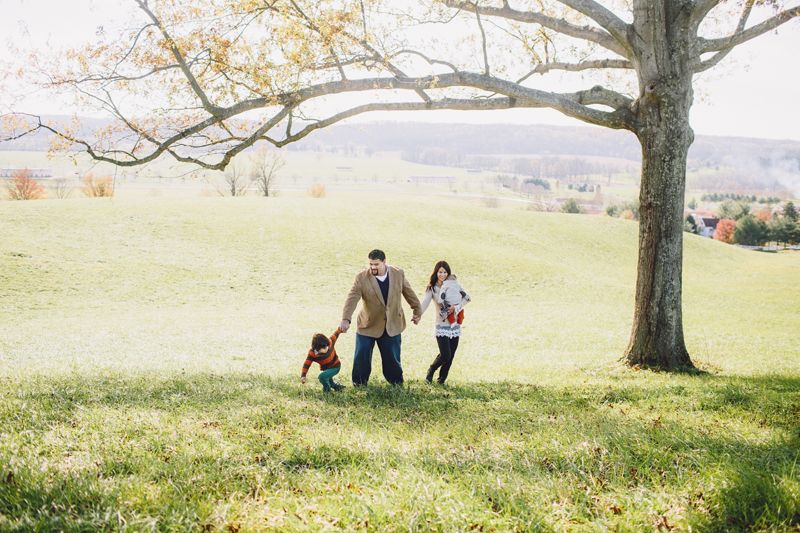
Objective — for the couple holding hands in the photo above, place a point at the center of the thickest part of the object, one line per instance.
(381, 321)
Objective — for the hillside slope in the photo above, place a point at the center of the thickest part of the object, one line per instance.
(240, 284)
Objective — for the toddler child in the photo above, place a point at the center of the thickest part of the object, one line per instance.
(323, 353)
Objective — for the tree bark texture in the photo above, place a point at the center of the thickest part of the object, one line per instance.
(662, 40)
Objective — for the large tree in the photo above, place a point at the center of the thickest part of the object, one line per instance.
(203, 80)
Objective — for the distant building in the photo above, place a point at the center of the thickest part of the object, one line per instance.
(706, 226)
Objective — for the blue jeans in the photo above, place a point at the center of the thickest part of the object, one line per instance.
(390, 358)
(326, 378)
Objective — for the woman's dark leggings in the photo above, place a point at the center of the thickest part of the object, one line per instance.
(447, 351)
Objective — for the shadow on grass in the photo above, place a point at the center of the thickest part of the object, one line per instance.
(611, 439)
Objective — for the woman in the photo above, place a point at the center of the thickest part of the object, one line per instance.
(450, 298)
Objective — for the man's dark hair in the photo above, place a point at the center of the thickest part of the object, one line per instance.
(319, 341)
(377, 254)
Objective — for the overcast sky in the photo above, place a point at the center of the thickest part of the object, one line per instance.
(752, 93)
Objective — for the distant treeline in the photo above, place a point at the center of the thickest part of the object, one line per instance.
(720, 197)
(757, 180)
(557, 152)
(540, 167)
(460, 140)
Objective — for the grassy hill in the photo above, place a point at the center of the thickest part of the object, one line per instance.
(150, 349)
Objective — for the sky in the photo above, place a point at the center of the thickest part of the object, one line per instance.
(752, 93)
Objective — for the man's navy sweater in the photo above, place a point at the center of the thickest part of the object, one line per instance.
(384, 285)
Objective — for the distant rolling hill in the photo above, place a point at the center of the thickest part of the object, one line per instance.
(758, 162)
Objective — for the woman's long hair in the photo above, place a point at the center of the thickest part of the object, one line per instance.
(434, 277)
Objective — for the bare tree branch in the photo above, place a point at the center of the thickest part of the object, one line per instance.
(719, 56)
(446, 103)
(602, 16)
(28, 130)
(716, 45)
(187, 71)
(533, 98)
(233, 152)
(571, 104)
(543, 68)
(483, 40)
(377, 56)
(131, 47)
(587, 33)
(428, 59)
(602, 96)
(701, 9)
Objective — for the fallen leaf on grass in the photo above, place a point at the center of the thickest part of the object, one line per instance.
(663, 523)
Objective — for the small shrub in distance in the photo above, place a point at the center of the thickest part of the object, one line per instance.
(725, 230)
(266, 165)
(544, 206)
(571, 206)
(764, 214)
(22, 187)
(102, 187)
(490, 201)
(538, 182)
(317, 190)
(751, 231)
(733, 209)
(790, 211)
(61, 189)
(784, 230)
(627, 211)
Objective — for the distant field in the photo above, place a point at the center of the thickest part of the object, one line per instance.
(379, 171)
(150, 349)
(300, 166)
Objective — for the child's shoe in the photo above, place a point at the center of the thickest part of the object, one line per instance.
(453, 318)
(337, 387)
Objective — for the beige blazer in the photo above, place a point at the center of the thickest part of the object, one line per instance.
(377, 316)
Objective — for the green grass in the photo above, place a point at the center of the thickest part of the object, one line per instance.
(251, 451)
(150, 349)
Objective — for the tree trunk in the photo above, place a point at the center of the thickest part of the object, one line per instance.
(665, 135)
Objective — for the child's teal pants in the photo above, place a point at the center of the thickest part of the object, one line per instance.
(326, 378)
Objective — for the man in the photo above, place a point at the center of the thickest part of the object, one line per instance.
(381, 319)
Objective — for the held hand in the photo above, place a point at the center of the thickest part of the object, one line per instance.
(415, 320)
(344, 326)
(451, 310)
(303, 380)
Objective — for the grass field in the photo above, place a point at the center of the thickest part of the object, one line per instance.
(149, 353)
